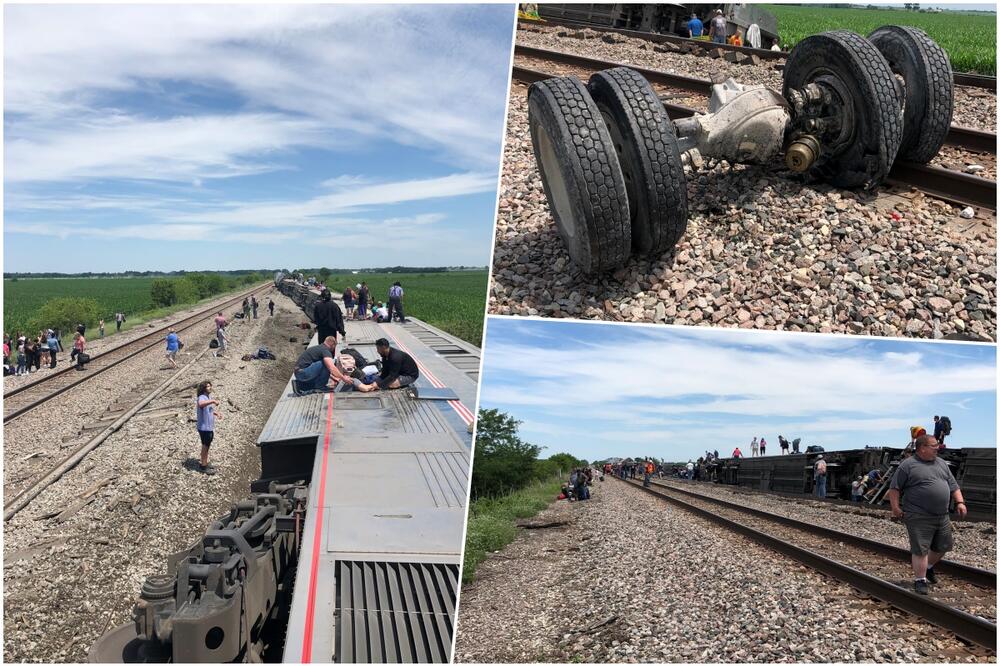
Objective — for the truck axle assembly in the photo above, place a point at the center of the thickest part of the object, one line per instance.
(612, 161)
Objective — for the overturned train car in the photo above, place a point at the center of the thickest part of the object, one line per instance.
(974, 469)
(660, 18)
(348, 547)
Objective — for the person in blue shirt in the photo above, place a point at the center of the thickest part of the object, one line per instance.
(695, 27)
(173, 346)
(206, 423)
(53, 345)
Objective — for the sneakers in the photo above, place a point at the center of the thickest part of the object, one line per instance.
(210, 470)
(295, 387)
(920, 586)
(931, 576)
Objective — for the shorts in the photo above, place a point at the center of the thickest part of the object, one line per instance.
(206, 437)
(928, 533)
(172, 353)
(404, 380)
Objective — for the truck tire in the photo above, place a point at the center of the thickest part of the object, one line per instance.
(864, 156)
(581, 175)
(646, 145)
(926, 70)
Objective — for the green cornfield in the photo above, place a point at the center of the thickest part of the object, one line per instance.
(23, 297)
(969, 38)
(454, 302)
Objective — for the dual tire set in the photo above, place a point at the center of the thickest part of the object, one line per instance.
(611, 167)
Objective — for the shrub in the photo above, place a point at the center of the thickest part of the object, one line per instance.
(65, 313)
(163, 293)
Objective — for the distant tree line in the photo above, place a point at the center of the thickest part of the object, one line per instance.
(194, 287)
(504, 462)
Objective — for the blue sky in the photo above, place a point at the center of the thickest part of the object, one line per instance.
(606, 390)
(165, 137)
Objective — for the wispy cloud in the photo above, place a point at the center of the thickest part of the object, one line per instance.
(595, 385)
(262, 122)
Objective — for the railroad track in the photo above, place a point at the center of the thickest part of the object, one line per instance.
(23, 399)
(964, 602)
(960, 78)
(946, 184)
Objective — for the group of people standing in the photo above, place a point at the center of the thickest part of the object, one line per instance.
(23, 354)
(357, 299)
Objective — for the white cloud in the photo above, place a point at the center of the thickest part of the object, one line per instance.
(676, 391)
(178, 149)
(351, 71)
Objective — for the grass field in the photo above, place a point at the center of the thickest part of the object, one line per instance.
(970, 39)
(454, 302)
(491, 521)
(22, 298)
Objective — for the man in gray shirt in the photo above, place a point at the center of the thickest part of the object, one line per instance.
(927, 487)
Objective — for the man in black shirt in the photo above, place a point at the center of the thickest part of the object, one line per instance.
(398, 369)
(315, 367)
(329, 318)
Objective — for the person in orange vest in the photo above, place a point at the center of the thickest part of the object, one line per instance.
(647, 473)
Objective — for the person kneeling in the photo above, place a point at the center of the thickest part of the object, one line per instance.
(398, 369)
(316, 366)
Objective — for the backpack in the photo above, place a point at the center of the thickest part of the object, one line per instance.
(265, 354)
(214, 344)
(945, 425)
(346, 363)
(821, 467)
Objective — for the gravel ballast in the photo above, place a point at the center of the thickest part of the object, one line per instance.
(975, 542)
(67, 581)
(631, 579)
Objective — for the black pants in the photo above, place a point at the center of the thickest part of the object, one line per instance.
(52, 358)
(118, 326)
(396, 303)
(272, 310)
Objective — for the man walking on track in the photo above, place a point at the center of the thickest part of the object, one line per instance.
(270, 306)
(927, 487)
(396, 302)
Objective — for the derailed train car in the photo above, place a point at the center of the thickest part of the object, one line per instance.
(974, 469)
(348, 548)
(660, 18)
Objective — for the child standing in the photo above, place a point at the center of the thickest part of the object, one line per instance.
(206, 423)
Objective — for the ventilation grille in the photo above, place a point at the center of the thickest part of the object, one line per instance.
(394, 612)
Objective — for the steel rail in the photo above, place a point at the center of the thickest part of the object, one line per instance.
(963, 137)
(154, 338)
(975, 575)
(960, 78)
(965, 625)
(945, 184)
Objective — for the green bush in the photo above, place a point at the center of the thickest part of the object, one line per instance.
(65, 313)
(186, 291)
(163, 293)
